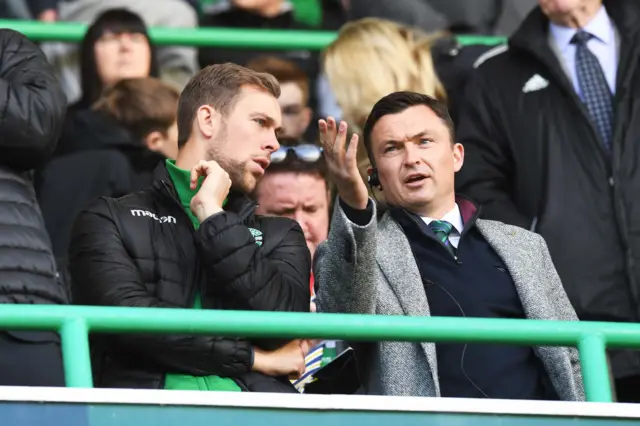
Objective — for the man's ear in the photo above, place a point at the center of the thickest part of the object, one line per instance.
(458, 156)
(207, 121)
(154, 141)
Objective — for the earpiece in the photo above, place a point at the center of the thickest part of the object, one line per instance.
(374, 181)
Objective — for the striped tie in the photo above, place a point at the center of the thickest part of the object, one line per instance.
(442, 229)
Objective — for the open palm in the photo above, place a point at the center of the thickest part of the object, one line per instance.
(342, 163)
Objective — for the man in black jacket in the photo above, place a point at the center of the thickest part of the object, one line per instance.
(551, 126)
(32, 109)
(142, 249)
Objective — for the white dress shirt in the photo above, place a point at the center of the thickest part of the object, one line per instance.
(454, 218)
(603, 45)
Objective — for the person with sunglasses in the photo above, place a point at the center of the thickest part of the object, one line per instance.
(295, 185)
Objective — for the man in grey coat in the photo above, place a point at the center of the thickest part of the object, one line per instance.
(430, 255)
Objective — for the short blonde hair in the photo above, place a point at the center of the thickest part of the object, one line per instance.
(372, 58)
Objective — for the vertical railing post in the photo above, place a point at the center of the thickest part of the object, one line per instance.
(75, 352)
(595, 374)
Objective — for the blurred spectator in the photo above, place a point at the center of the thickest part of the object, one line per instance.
(258, 14)
(513, 13)
(551, 125)
(333, 12)
(116, 46)
(483, 17)
(374, 57)
(294, 93)
(430, 255)
(33, 107)
(412, 13)
(486, 17)
(15, 9)
(192, 240)
(130, 129)
(176, 63)
(295, 186)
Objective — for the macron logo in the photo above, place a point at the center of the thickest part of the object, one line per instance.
(161, 219)
(534, 84)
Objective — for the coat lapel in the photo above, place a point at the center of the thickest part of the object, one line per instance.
(521, 262)
(519, 254)
(398, 266)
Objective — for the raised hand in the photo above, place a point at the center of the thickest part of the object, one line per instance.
(342, 163)
(214, 190)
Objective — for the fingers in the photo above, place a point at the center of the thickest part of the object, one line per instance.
(328, 131)
(352, 149)
(301, 365)
(341, 139)
(298, 366)
(197, 171)
(305, 346)
(205, 168)
(332, 127)
(322, 127)
(325, 137)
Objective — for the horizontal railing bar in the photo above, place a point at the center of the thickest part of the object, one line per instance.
(221, 37)
(331, 326)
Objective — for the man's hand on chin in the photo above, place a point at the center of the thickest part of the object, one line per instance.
(214, 190)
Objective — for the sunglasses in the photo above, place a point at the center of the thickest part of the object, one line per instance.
(307, 152)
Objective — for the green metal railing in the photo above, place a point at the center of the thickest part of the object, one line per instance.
(223, 37)
(75, 322)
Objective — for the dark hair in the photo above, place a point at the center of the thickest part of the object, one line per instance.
(117, 21)
(292, 164)
(219, 86)
(397, 102)
(140, 105)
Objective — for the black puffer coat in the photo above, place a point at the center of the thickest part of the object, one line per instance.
(32, 108)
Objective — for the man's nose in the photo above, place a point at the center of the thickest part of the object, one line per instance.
(301, 218)
(411, 155)
(272, 144)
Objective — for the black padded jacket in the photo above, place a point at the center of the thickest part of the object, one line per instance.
(141, 250)
(32, 108)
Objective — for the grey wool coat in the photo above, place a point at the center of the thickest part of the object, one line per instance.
(371, 270)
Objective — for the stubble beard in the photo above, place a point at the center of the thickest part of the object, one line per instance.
(235, 169)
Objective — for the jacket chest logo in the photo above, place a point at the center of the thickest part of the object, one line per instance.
(257, 235)
(161, 219)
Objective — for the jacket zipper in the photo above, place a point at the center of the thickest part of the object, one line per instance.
(611, 166)
(197, 287)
